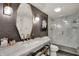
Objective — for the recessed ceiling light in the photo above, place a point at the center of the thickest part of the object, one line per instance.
(57, 9)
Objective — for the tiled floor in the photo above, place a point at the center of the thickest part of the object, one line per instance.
(62, 53)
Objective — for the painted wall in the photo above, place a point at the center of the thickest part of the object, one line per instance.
(8, 24)
(64, 30)
(37, 27)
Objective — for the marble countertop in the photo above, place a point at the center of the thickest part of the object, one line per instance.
(24, 48)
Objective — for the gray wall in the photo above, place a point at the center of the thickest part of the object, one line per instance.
(37, 27)
(65, 34)
(8, 24)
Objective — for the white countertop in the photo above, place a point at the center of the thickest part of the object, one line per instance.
(24, 48)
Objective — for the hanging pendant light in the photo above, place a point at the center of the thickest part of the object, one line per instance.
(8, 10)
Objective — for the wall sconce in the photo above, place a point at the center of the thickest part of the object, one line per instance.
(7, 10)
(36, 19)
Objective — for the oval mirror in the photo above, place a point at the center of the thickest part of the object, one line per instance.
(24, 20)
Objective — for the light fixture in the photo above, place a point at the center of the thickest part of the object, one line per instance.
(57, 9)
(36, 19)
(8, 10)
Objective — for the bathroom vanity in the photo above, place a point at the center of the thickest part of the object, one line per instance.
(24, 48)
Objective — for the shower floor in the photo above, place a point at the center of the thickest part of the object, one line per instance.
(62, 53)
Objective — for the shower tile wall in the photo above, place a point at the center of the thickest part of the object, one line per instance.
(64, 31)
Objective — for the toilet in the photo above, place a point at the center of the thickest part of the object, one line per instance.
(53, 50)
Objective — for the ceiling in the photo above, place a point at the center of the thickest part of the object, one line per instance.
(66, 9)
